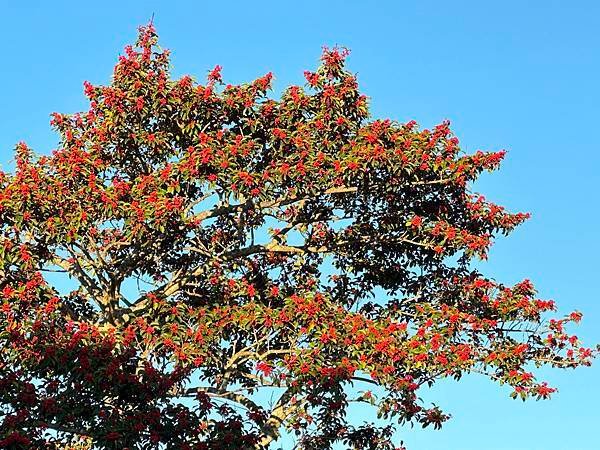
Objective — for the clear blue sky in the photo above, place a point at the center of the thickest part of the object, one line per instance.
(519, 75)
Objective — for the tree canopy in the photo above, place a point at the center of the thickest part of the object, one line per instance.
(201, 266)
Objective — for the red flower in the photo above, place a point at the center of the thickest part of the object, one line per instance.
(441, 359)
(24, 253)
(215, 75)
(279, 133)
(89, 89)
(520, 349)
(545, 391)
(576, 316)
(265, 368)
(416, 221)
(312, 78)
(352, 165)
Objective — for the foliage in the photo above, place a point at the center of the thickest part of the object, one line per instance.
(220, 244)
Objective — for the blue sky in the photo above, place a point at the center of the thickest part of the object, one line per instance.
(515, 75)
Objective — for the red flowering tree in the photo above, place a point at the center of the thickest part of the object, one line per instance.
(189, 247)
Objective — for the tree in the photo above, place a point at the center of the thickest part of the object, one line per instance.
(189, 247)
